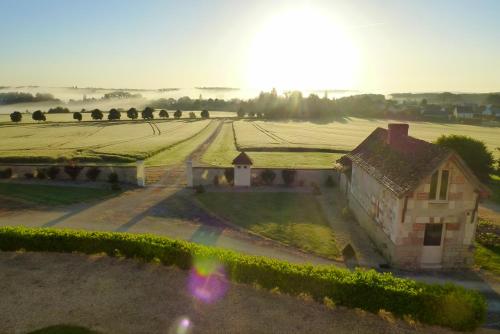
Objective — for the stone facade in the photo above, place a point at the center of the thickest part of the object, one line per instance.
(397, 225)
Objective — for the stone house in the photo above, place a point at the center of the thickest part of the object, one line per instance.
(417, 201)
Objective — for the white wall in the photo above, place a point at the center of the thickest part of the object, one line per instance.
(242, 175)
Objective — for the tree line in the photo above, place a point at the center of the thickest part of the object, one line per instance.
(18, 97)
(113, 114)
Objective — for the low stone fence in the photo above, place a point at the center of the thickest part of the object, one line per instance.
(126, 173)
(204, 175)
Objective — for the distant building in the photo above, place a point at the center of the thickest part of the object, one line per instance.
(491, 112)
(242, 170)
(434, 111)
(465, 112)
(418, 201)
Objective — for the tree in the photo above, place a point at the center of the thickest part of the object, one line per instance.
(268, 176)
(147, 113)
(178, 114)
(192, 114)
(58, 110)
(38, 116)
(16, 117)
(472, 151)
(96, 114)
(229, 175)
(77, 116)
(73, 171)
(132, 113)
(251, 114)
(114, 115)
(240, 113)
(164, 114)
(288, 176)
(205, 114)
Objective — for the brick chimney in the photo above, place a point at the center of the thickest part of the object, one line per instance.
(397, 133)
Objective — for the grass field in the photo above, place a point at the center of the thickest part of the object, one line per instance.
(488, 259)
(5, 118)
(177, 153)
(345, 135)
(52, 195)
(223, 151)
(111, 141)
(294, 219)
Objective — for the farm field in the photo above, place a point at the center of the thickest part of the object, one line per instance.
(93, 142)
(223, 151)
(5, 118)
(344, 135)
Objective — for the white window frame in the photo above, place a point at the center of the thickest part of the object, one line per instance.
(438, 187)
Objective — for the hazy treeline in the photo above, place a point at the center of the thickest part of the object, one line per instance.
(451, 98)
(186, 103)
(19, 97)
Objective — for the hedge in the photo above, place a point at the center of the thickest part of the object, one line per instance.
(445, 305)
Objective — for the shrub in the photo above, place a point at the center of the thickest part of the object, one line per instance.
(288, 176)
(96, 114)
(268, 176)
(41, 173)
(199, 189)
(114, 115)
(52, 172)
(164, 114)
(329, 182)
(192, 114)
(316, 189)
(73, 171)
(473, 152)
(148, 113)
(6, 173)
(77, 116)
(29, 176)
(93, 173)
(216, 180)
(229, 175)
(132, 113)
(113, 178)
(240, 113)
(38, 116)
(205, 114)
(58, 110)
(16, 117)
(445, 305)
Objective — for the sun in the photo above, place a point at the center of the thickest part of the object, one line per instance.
(302, 49)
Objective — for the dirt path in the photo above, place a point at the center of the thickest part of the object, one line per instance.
(126, 296)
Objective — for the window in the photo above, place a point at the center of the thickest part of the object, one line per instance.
(439, 180)
(433, 234)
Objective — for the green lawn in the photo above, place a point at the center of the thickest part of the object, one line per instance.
(52, 195)
(494, 185)
(488, 259)
(294, 219)
(223, 151)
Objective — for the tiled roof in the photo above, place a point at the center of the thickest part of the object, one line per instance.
(242, 159)
(401, 166)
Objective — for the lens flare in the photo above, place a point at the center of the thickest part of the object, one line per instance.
(181, 326)
(207, 280)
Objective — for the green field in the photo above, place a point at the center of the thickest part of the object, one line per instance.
(294, 219)
(101, 141)
(52, 195)
(5, 118)
(345, 135)
(223, 151)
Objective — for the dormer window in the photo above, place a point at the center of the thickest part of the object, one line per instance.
(439, 185)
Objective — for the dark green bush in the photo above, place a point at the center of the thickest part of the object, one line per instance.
(73, 171)
(199, 189)
(268, 176)
(93, 173)
(6, 173)
(29, 176)
(229, 175)
(445, 305)
(288, 176)
(113, 178)
(52, 172)
(41, 173)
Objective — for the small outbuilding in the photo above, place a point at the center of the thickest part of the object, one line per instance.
(242, 170)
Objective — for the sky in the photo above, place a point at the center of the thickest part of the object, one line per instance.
(377, 46)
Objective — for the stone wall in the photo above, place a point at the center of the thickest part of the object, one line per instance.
(304, 177)
(126, 173)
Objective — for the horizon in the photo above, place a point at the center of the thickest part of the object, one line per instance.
(390, 47)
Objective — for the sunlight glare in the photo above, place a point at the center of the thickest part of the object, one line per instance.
(302, 49)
